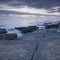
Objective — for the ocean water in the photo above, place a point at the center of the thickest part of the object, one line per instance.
(18, 22)
(12, 22)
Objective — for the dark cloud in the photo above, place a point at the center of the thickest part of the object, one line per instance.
(52, 10)
(14, 12)
(59, 10)
(42, 3)
(38, 4)
(5, 1)
(6, 12)
(33, 3)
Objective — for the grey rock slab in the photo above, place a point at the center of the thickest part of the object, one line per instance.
(16, 50)
(48, 50)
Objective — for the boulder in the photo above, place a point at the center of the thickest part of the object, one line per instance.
(3, 31)
(27, 29)
(12, 36)
(59, 23)
(51, 26)
(46, 23)
(2, 36)
(20, 28)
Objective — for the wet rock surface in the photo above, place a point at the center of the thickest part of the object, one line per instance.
(37, 45)
(3, 31)
(48, 26)
(8, 36)
(27, 29)
(48, 50)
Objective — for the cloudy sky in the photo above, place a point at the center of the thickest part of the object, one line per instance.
(30, 8)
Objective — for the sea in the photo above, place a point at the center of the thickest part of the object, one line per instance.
(10, 23)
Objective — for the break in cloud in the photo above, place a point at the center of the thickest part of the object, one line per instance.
(30, 7)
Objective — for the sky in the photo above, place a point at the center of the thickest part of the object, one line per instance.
(26, 12)
(29, 8)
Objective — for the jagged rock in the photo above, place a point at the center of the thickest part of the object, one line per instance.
(3, 31)
(27, 29)
(8, 36)
(47, 23)
(59, 23)
(51, 26)
(20, 28)
(11, 36)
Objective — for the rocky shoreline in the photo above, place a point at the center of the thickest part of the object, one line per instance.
(41, 44)
(19, 31)
(4, 35)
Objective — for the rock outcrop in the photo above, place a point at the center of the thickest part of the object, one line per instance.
(27, 29)
(3, 31)
(48, 26)
(8, 36)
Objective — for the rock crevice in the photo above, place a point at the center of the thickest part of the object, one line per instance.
(36, 48)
